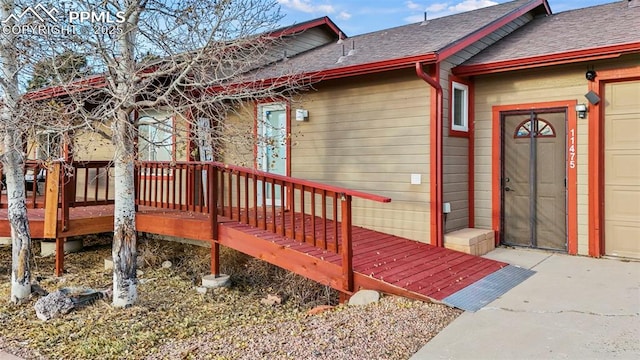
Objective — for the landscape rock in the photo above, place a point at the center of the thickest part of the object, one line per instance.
(53, 305)
(166, 264)
(61, 302)
(201, 290)
(364, 297)
(271, 300)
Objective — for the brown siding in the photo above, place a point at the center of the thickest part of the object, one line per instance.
(370, 134)
(455, 162)
(530, 86)
(236, 145)
(91, 146)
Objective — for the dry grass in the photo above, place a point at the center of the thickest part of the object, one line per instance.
(169, 309)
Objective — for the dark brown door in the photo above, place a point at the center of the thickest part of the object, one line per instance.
(534, 186)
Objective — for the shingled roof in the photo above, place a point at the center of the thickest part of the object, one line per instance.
(599, 27)
(404, 42)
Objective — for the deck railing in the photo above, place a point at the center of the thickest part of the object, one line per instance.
(34, 178)
(84, 183)
(306, 211)
(317, 214)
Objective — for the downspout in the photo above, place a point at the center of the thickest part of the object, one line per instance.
(435, 84)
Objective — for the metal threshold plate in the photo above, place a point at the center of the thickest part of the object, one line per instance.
(475, 296)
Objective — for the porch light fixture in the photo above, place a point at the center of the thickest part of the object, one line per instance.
(302, 115)
(581, 109)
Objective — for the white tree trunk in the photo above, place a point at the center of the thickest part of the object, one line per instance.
(124, 228)
(13, 161)
(19, 222)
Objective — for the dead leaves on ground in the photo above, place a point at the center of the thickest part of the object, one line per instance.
(169, 307)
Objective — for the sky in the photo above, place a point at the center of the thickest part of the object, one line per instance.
(356, 17)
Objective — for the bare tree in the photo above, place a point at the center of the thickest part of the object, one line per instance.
(13, 161)
(189, 58)
(23, 52)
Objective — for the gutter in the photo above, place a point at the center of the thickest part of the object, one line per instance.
(437, 224)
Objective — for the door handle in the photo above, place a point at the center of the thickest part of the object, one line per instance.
(506, 188)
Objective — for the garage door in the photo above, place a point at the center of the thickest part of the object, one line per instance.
(622, 169)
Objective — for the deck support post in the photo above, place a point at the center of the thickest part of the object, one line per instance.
(215, 258)
(346, 246)
(60, 256)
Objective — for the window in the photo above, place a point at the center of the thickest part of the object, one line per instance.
(459, 107)
(49, 146)
(155, 137)
(542, 129)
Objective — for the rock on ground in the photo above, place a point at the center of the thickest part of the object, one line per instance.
(364, 297)
(53, 305)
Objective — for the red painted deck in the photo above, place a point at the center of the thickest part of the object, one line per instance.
(227, 210)
(380, 261)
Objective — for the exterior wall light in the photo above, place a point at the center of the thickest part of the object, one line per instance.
(581, 109)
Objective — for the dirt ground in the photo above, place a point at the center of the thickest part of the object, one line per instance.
(172, 320)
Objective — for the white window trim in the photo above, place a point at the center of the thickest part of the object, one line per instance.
(45, 149)
(155, 119)
(465, 108)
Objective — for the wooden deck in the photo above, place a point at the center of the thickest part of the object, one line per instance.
(381, 261)
(222, 206)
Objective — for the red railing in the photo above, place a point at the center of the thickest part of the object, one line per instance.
(35, 178)
(306, 211)
(83, 183)
(89, 183)
(175, 186)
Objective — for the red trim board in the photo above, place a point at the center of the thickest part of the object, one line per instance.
(596, 154)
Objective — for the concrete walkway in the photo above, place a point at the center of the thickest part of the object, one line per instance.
(7, 356)
(572, 308)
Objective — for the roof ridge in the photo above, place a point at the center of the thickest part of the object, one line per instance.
(446, 17)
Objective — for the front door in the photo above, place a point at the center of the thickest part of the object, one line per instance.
(534, 180)
(272, 146)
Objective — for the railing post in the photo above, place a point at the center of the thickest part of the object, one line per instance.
(212, 183)
(52, 187)
(67, 187)
(347, 248)
(136, 185)
(213, 199)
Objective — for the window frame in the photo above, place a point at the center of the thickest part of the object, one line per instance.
(460, 130)
(157, 118)
(49, 145)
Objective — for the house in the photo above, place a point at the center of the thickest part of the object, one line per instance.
(508, 119)
(578, 71)
(438, 116)
(415, 113)
(374, 123)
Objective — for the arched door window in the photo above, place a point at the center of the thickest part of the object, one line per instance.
(542, 128)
